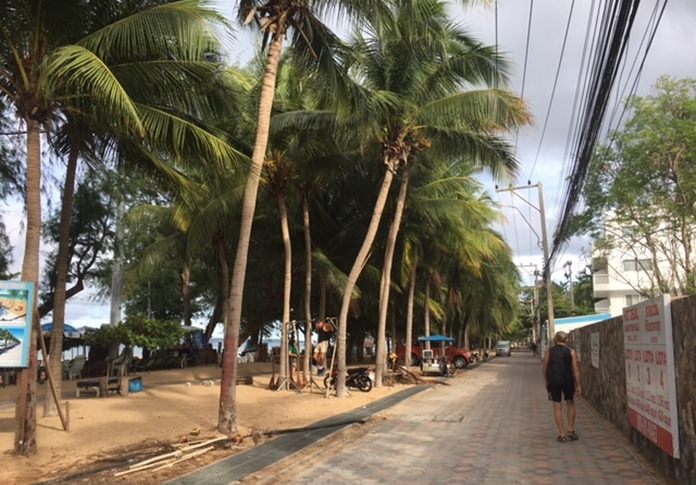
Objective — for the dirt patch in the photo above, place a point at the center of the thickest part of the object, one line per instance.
(175, 406)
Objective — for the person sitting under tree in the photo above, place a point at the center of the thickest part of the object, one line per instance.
(324, 332)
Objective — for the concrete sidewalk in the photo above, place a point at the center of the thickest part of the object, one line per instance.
(493, 425)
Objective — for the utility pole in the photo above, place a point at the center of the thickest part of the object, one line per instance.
(544, 244)
(547, 264)
(534, 302)
(569, 275)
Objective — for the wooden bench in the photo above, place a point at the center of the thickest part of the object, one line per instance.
(88, 385)
(101, 386)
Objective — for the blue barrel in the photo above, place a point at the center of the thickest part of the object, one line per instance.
(135, 384)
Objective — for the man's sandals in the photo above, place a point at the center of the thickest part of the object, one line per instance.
(570, 436)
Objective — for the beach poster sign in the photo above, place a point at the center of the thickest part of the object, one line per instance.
(16, 305)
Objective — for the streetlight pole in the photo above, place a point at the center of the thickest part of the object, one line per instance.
(544, 244)
(569, 275)
(547, 265)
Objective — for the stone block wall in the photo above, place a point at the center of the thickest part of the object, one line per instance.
(605, 388)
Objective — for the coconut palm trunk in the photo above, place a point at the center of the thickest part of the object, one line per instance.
(323, 288)
(186, 294)
(355, 271)
(227, 416)
(409, 312)
(308, 288)
(381, 356)
(287, 288)
(117, 268)
(25, 411)
(62, 265)
(426, 311)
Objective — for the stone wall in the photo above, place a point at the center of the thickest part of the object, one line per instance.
(605, 388)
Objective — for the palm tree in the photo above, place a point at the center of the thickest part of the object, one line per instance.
(57, 58)
(313, 45)
(414, 66)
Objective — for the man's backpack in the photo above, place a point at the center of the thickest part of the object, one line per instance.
(559, 369)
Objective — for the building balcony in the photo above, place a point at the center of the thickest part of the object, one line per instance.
(601, 284)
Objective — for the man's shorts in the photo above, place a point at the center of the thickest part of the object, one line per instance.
(322, 347)
(568, 391)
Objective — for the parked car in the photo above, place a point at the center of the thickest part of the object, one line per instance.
(458, 357)
(503, 347)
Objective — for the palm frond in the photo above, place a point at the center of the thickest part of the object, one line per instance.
(186, 29)
(76, 72)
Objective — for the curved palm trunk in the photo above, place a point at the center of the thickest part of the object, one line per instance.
(224, 282)
(381, 356)
(287, 288)
(308, 288)
(227, 416)
(186, 293)
(323, 284)
(59, 297)
(409, 312)
(355, 271)
(25, 411)
(117, 273)
(426, 313)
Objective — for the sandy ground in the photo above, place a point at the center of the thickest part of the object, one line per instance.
(174, 405)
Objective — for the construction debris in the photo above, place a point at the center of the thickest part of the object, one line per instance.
(170, 459)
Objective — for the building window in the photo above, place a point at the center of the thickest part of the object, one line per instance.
(630, 300)
(637, 265)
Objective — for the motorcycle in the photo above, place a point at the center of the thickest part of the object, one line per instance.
(476, 356)
(358, 378)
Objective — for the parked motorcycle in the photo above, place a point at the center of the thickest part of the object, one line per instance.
(358, 378)
(476, 356)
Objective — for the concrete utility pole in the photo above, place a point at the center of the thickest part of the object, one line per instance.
(544, 244)
(547, 264)
(569, 275)
(535, 300)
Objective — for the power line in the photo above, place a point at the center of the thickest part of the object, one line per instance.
(526, 57)
(636, 80)
(496, 43)
(608, 57)
(553, 91)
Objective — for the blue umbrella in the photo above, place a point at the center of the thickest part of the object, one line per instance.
(436, 339)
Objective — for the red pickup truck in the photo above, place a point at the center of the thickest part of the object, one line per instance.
(459, 357)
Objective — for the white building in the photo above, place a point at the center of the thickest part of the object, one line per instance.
(627, 270)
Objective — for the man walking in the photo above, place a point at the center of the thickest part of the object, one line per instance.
(562, 376)
(324, 332)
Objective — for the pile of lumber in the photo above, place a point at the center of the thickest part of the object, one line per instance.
(185, 452)
(401, 375)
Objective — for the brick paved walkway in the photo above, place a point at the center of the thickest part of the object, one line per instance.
(493, 425)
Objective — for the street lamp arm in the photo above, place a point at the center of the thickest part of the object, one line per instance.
(525, 220)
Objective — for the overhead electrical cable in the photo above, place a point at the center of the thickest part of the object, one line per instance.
(577, 97)
(526, 57)
(553, 90)
(636, 80)
(608, 58)
(496, 44)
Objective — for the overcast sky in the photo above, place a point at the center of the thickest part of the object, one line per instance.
(671, 53)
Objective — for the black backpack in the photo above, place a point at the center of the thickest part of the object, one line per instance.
(559, 370)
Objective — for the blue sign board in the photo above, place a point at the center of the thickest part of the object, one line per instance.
(16, 307)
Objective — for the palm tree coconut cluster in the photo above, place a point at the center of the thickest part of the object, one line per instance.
(363, 150)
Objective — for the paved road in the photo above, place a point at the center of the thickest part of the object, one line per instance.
(493, 425)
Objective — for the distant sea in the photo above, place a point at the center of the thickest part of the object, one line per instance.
(217, 343)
